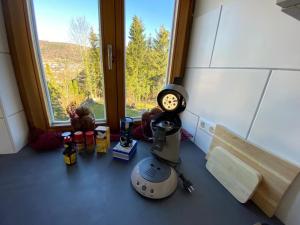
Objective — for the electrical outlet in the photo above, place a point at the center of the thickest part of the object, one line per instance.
(207, 126)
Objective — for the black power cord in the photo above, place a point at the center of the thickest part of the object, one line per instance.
(186, 184)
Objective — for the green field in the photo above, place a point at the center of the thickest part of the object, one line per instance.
(98, 110)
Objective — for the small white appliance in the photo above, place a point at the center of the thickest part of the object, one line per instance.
(155, 177)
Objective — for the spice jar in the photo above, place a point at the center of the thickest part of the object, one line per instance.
(69, 152)
(102, 139)
(79, 141)
(90, 141)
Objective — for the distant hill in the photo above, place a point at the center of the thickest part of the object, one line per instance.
(58, 51)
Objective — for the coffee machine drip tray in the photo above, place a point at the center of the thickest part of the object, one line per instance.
(153, 170)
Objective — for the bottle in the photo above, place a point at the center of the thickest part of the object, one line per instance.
(79, 141)
(69, 152)
(102, 139)
(90, 141)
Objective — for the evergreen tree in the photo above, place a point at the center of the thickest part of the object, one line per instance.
(161, 50)
(137, 88)
(93, 70)
(55, 93)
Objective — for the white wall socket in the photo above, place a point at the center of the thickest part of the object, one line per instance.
(207, 126)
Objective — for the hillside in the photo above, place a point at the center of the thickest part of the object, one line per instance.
(54, 52)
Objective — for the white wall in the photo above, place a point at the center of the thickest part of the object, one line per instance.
(13, 125)
(243, 71)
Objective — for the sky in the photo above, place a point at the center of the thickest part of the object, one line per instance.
(53, 17)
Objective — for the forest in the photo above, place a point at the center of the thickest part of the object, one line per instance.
(74, 72)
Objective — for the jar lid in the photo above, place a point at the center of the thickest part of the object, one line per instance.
(66, 134)
(78, 135)
(89, 133)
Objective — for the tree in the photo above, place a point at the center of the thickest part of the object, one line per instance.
(94, 66)
(55, 94)
(146, 65)
(161, 50)
(137, 88)
(79, 31)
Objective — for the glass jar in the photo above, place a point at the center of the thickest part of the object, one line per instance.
(79, 141)
(90, 141)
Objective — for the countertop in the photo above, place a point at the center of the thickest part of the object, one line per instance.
(38, 188)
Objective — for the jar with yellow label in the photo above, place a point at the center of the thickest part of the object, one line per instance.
(102, 139)
(69, 152)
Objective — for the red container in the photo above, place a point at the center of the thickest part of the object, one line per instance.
(79, 141)
(90, 141)
(78, 136)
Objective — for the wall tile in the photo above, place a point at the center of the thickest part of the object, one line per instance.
(202, 39)
(6, 145)
(204, 6)
(19, 129)
(228, 97)
(189, 122)
(288, 210)
(203, 140)
(277, 126)
(257, 34)
(1, 113)
(8, 86)
(3, 38)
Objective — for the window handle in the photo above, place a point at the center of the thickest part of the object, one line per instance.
(109, 57)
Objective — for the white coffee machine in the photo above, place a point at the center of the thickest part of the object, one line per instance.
(156, 176)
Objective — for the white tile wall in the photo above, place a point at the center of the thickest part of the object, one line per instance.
(189, 122)
(202, 7)
(253, 36)
(3, 39)
(1, 113)
(277, 126)
(8, 86)
(228, 97)
(203, 140)
(5, 146)
(19, 130)
(202, 39)
(288, 210)
(256, 34)
(13, 125)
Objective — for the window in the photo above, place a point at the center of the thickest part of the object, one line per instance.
(68, 40)
(148, 27)
(90, 52)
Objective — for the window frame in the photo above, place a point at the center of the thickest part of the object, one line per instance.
(112, 24)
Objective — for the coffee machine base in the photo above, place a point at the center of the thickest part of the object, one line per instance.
(154, 179)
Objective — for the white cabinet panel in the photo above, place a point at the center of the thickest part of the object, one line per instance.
(3, 39)
(228, 97)
(8, 86)
(257, 34)
(5, 141)
(202, 39)
(189, 122)
(277, 126)
(19, 130)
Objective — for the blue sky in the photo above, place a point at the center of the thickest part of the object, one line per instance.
(53, 17)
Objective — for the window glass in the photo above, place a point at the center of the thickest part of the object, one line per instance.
(148, 32)
(69, 47)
